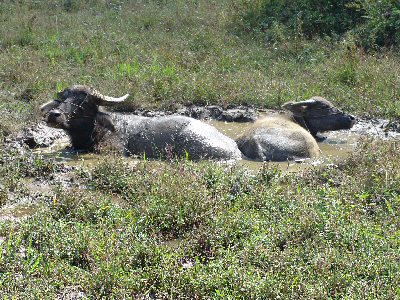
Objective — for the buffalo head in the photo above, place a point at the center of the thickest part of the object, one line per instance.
(76, 110)
(318, 115)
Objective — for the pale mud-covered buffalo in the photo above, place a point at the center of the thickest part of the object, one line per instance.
(77, 110)
(293, 136)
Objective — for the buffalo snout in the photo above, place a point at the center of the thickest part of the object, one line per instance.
(53, 115)
(55, 118)
(337, 121)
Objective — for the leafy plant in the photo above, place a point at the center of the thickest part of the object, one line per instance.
(375, 23)
(381, 23)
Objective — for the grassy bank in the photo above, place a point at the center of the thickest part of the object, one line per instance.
(179, 52)
(188, 231)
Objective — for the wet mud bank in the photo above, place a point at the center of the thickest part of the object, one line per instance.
(30, 180)
(239, 114)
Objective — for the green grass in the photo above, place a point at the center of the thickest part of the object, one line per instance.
(167, 54)
(184, 230)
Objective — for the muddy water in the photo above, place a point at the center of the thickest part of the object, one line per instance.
(16, 212)
(338, 145)
(60, 153)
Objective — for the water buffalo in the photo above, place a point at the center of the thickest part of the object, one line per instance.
(293, 135)
(319, 115)
(77, 111)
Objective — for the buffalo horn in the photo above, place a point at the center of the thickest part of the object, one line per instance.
(106, 100)
(100, 98)
(295, 105)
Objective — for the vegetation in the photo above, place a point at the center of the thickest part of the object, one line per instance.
(184, 230)
(187, 230)
(371, 23)
(171, 53)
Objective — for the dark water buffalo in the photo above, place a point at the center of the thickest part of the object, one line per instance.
(319, 115)
(292, 136)
(77, 111)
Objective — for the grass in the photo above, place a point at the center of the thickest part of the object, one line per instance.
(167, 54)
(184, 230)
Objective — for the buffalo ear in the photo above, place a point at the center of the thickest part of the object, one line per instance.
(300, 108)
(105, 121)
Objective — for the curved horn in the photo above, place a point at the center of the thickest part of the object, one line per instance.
(45, 108)
(107, 100)
(99, 97)
(295, 105)
(300, 108)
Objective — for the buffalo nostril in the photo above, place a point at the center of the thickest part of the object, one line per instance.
(55, 114)
(353, 120)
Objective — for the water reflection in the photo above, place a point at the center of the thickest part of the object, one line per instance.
(60, 152)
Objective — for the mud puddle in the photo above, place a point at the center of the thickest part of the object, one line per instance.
(25, 201)
(17, 212)
(59, 152)
(337, 146)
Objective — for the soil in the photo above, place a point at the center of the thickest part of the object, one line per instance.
(232, 114)
(37, 136)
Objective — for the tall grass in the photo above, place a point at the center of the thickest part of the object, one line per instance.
(167, 54)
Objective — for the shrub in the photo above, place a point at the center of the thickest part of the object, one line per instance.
(374, 23)
(381, 23)
(308, 17)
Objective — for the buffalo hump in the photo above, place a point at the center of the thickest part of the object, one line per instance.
(161, 137)
(277, 138)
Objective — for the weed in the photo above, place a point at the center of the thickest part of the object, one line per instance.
(197, 230)
(187, 55)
